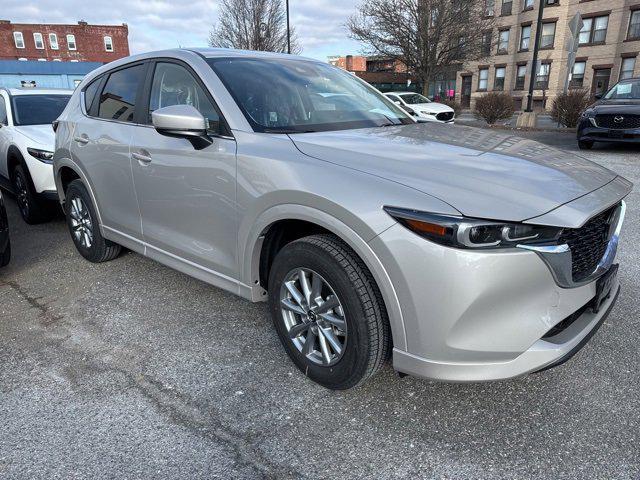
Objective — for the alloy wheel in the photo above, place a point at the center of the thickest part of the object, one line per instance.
(22, 195)
(313, 317)
(81, 225)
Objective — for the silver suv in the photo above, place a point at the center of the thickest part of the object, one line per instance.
(467, 254)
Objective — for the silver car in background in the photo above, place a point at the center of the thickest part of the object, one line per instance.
(469, 255)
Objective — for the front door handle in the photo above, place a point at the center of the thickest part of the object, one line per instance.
(82, 139)
(141, 158)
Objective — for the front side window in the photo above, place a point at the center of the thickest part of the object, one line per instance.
(414, 99)
(542, 77)
(37, 39)
(18, 39)
(577, 74)
(627, 68)
(483, 78)
(625, 90)
(174, 85)
(548, 35)
(118, 98)
(71, 42)
(108, 44)
(503, 41)
(53, 41)
(498, 83)
(634, 25)
(525, 37)
(37, 109)
(521, 73)
(290, 96)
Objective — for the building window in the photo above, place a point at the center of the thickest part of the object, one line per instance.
(486, 43)
(483, 79)
(634, 25)
(71, 42)
(577, 75)
(627, 67)
(503, 41)
(521, 73)
(594, 30)
(18, 39)
(525, 37)
(489, 7)
(528, 4)
(506, 7)
(542, 76)
(548, 35)
(550, 3)
(498, 82)
(53, 41)
(37, 39)
(108, 44)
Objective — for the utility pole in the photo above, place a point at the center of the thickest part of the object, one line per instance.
(534, 67)
(289, 29)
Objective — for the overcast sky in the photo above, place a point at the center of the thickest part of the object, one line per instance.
(157, 24)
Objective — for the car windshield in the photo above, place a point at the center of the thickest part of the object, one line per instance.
(38, 109)
(294, 96)
(624, 91)
(414, 99)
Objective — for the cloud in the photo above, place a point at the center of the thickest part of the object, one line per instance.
(159, 24)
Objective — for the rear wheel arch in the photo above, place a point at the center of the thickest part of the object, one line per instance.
(65, 172)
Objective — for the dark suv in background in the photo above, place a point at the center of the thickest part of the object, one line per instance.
(613, 118)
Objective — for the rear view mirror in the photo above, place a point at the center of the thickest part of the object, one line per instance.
(182, 121)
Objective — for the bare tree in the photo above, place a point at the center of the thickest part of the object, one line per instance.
(253, 25)
(428, 36)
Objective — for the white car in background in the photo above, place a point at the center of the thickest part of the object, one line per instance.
(422, 108)
(26, 148)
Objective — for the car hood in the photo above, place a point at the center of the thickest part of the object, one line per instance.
(40, 134)
(481, 173)
(616, 107)
(431, 107)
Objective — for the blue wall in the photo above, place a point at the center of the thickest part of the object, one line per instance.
(45, 74)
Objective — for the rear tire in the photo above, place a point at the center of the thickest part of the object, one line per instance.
(33, 210)
(84, 227)
(358, 324)
(585, 144)
(5, 256)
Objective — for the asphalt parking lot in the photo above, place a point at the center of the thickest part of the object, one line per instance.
(131, 370)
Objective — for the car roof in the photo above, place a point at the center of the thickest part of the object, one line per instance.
(37, 91)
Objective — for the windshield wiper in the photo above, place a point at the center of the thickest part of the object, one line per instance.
(285, 130)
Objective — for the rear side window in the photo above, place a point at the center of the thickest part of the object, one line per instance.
(90, 94)
(118, 98)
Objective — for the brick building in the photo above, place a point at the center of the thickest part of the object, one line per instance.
(54, 42)
(386, 74)
(609, 44)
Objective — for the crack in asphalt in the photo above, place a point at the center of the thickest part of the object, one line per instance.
(173, 405)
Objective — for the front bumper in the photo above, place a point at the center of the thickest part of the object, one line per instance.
(479, 316)
(589, 132)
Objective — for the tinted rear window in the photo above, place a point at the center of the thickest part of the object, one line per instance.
(118, 98)
(90, 93)
(38, 109)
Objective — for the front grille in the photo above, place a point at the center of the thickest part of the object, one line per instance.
(614, 121)
(588, 244)
(445, 116)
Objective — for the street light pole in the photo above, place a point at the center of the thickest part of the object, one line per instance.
(536, 48)
(289, 30)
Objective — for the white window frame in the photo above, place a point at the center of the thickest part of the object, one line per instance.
(632, 60)
(53, 41)
(522, 37)
(108, 43)
(38, 38)
(71, 39)
(483, 78)
(18, 39)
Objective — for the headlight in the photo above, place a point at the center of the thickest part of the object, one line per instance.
(462, 232)
(42, 155)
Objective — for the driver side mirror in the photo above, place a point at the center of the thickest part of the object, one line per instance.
(597, 96)
(182, 121)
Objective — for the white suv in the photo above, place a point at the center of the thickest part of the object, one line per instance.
(26, 147)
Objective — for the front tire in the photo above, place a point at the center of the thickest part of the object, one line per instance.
(84, 227)
(328, 312)
(585, 144)
(5, 257)
(33, 210)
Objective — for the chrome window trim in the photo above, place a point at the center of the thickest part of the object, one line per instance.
(558, 257)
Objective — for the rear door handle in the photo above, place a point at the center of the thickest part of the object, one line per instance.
(83, 140)
(141, 158)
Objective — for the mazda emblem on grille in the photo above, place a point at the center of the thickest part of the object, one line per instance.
(618, 119)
